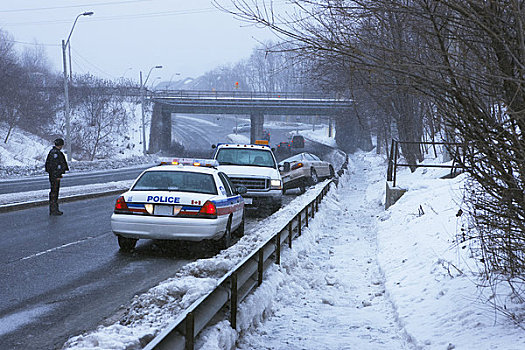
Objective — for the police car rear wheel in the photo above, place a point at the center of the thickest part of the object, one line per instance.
(226, 239)
(126, 244)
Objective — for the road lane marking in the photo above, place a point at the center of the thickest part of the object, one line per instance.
(54, 249)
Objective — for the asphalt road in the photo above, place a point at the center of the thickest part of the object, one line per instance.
(64, 275)
(70, 179)
(197, 134)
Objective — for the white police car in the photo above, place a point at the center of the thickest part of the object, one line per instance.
(187, 199)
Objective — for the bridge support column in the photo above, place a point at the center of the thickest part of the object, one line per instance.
(256, 130)
(160, 131)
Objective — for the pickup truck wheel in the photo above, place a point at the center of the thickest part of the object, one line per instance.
(126, 244)
(239, 232)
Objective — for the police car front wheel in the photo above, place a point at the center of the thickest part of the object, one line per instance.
(126, 244)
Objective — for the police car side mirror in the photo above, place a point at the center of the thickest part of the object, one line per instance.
(286, 166)
(213, 146)
(273, 149)
(241, 189)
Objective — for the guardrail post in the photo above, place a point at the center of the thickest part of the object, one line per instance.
(290, 235)
(260, 266)
(317, 200)
(190, 329)
(299, 225)
(313, 207)
(233, 301)
(278, 248)
(306, 216)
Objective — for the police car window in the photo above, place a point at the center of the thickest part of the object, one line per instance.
(226, 184)
(182, 181)
(245, 156)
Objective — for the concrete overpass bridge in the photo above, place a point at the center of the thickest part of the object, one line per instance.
(254, 104)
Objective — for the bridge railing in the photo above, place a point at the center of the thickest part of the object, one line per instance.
(255, 95)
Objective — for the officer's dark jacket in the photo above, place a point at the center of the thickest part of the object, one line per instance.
(56, 164)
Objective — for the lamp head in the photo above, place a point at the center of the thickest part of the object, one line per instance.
(88, 13)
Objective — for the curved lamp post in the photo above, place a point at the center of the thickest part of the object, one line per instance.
(142, 98)
(65, 43)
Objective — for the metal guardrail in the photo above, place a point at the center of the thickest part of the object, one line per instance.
(458, 157)
(236, 94)
(235, 285)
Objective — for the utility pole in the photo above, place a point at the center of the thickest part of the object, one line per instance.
(142, 100)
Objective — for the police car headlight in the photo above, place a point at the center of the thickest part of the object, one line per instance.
(276, 184)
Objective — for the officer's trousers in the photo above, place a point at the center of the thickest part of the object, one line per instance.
(53, 194)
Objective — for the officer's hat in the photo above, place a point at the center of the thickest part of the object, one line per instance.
(59, 142)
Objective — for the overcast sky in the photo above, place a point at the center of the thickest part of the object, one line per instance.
(124, 37)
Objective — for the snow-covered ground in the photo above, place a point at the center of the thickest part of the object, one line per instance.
(359, 277)
(320, 135)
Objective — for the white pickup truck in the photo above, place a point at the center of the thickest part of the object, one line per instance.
(255, 167)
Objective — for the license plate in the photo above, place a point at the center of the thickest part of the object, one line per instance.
(248, 200)
(164, 209)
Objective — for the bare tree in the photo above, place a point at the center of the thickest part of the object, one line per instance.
(99, 116)
(459, 66)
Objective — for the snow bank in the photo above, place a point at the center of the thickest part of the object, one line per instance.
(432, 279)
(150, 312)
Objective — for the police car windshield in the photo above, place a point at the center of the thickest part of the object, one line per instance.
(243, 157)
(182, 181)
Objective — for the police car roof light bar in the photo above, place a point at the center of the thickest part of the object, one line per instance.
(210, 163)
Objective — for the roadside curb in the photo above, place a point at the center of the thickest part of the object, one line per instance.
(24, 205)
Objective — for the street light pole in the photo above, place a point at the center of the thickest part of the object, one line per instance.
(65, 43)
(142, 99)
(66, 103)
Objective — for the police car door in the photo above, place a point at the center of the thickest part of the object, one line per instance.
(234, 200)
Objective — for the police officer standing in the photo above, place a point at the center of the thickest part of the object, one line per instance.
(56, 166)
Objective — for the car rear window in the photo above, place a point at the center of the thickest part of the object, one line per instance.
(182, 181)
(241, 156)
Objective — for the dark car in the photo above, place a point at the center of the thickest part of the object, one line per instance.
(283, 149)
(297, 141)
(266, 135)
